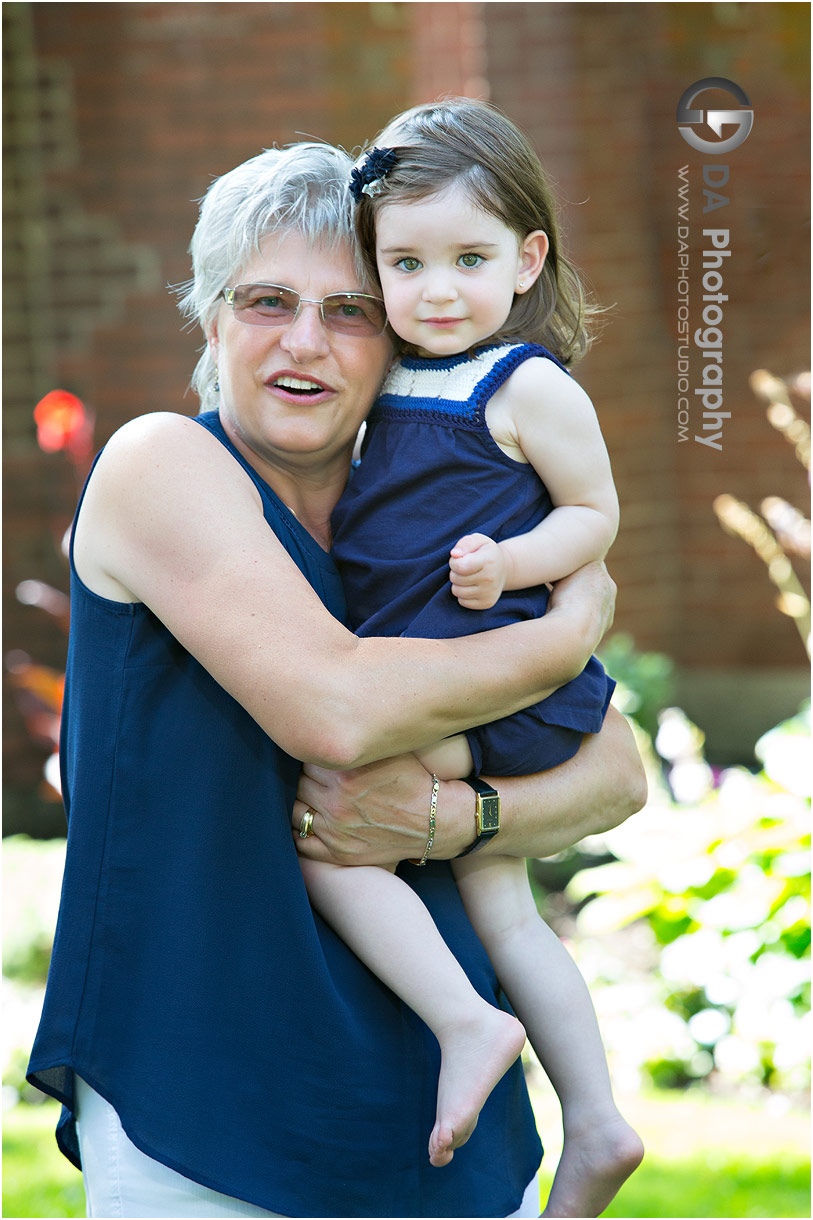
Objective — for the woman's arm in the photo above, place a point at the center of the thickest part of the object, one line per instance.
(379, 814)
(171, 520)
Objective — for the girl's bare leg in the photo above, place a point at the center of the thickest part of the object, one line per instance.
(449, 759)
(551, 998)
(387, 926)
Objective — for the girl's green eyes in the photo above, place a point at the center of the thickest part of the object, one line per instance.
(412, 264)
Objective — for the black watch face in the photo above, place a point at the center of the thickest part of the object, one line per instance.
(489, 814)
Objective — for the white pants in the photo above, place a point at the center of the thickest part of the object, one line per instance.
(122, 1181)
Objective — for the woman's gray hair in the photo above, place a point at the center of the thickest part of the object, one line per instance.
(303, 188)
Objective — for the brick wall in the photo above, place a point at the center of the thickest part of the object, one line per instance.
(597, 87)
(119, 115)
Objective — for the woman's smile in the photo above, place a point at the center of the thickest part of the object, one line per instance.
(299, 388)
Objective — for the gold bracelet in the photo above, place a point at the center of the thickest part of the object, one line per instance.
(433, 808)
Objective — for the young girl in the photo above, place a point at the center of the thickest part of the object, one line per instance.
(480, 428)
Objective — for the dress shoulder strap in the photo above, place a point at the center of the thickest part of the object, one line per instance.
(454, 389)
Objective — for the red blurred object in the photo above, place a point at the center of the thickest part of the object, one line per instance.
(64, 423)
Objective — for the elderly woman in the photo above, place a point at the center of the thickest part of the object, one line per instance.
(195, 1002)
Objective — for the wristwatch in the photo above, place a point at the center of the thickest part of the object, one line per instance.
(486, 815)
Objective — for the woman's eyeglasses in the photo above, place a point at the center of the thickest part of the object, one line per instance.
(348, 313)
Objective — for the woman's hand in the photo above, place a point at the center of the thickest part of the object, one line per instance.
(376, 814)
(379, 814)
(587, 597)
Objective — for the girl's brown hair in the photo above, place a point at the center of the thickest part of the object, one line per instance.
(468, 141)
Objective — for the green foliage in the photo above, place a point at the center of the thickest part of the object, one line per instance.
(644, 680)
(32, 880)
(715, 875)
(37, 1179)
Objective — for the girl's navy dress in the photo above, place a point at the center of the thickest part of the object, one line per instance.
(191, 984)
(430, 473)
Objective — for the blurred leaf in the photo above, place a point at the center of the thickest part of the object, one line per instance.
(721, 879)
(796, 939)
(668, 926)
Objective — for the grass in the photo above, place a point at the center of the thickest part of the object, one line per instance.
(730, 1187)
(37, 1180)
(705, 1158)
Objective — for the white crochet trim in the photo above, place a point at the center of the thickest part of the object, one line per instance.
(455, 384)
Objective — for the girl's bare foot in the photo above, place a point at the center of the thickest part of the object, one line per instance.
(597, 1158)
(474, 1056)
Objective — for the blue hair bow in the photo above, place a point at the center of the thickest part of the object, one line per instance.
(368, 179)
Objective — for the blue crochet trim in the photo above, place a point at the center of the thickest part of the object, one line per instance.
(426, 411)
(488, 387)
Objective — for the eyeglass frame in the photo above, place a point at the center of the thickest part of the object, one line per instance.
(228, 297)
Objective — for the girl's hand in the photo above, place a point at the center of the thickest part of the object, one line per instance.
(479, 569)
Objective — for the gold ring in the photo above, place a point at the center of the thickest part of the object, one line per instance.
(306, 825)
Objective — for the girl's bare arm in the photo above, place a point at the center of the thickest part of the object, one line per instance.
(544, 417)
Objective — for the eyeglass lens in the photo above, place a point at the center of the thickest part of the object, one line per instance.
(273, 305)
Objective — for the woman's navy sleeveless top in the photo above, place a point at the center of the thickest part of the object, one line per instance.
(191, 984)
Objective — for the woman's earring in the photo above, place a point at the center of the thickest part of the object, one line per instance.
(522, 283)
(217, 379)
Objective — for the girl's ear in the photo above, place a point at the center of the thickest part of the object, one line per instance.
(532, 254)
